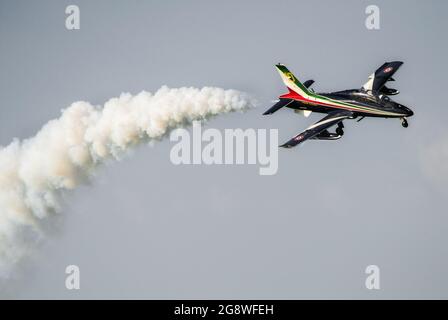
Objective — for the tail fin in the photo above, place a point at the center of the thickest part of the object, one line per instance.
(291, 81)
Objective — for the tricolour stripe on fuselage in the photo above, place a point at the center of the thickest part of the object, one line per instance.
(316, 99)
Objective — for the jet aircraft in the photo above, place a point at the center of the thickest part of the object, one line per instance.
(371, 100)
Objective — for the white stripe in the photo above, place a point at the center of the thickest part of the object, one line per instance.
(325, 121)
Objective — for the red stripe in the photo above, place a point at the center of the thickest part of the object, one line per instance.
(296, 96)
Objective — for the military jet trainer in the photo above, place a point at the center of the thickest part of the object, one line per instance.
(372, 100)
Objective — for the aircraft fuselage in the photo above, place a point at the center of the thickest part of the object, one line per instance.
(356, 100)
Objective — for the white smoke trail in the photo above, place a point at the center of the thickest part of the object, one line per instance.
(34, 172)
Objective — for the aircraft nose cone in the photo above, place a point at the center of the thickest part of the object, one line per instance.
(408, 111)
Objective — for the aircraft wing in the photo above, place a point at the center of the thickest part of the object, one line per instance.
(383, 74)
(323, 124)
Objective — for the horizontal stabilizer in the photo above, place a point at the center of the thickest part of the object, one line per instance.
(308, 83)
(277, 106)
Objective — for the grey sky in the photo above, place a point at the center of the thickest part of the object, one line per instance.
(148, 229)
